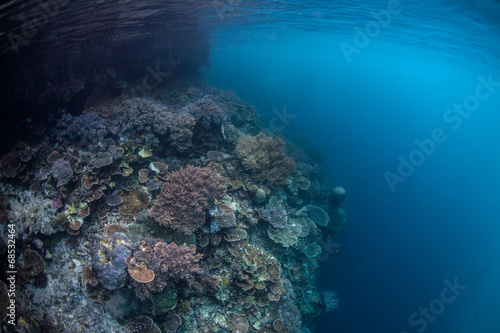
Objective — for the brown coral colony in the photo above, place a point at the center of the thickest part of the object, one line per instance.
(185, 197)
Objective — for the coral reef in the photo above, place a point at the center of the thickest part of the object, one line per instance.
(167, 214)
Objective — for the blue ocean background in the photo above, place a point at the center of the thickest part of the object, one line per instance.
(442, 223)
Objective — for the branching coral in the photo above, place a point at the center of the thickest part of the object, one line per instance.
(185, 197)
(84, 129)
(206, 112)
(207, 120)
(181, 131)
(143, 115)
(148, 116)
(264, 157)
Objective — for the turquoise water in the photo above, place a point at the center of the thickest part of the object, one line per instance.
(410, 233)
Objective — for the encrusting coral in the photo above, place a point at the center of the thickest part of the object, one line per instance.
(109, 261)
(185, 198)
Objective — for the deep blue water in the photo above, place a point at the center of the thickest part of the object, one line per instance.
(401, 242)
